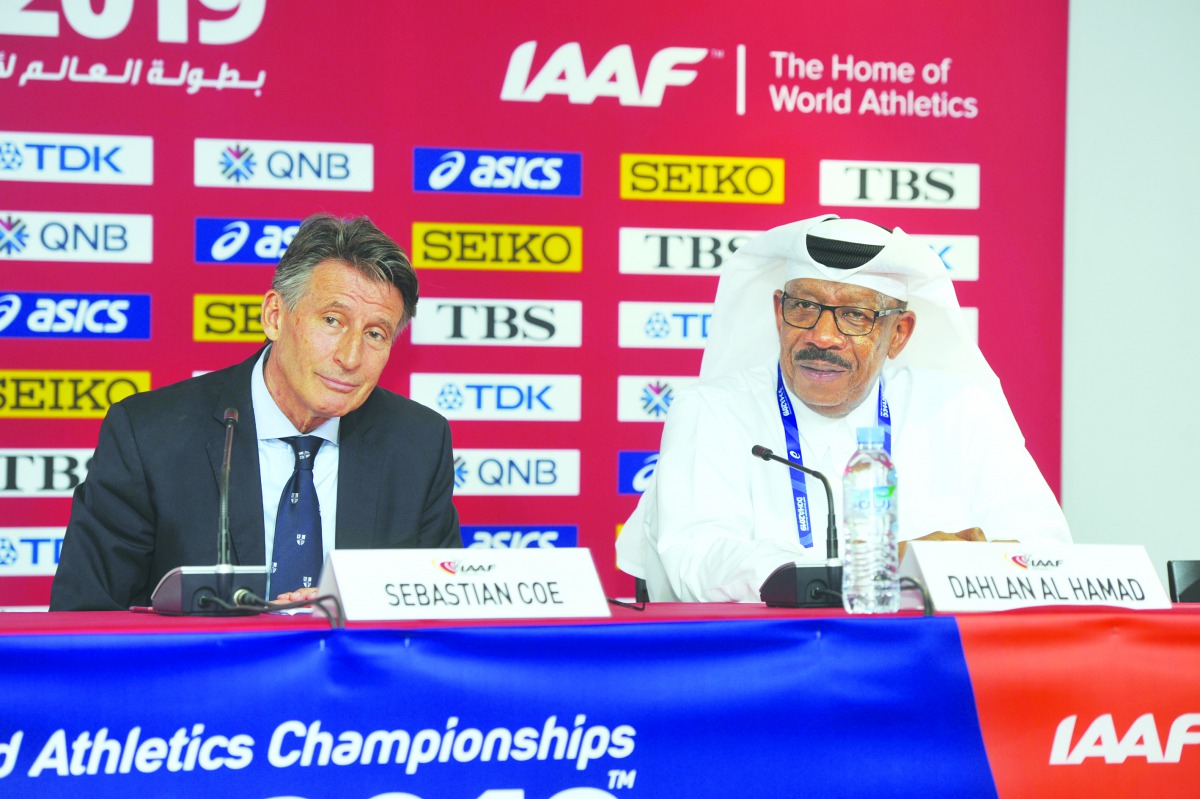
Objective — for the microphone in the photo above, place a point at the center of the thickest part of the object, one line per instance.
(222, 589)
(792, 586)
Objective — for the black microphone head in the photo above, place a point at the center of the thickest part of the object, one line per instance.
(231, 416)
(759, 451)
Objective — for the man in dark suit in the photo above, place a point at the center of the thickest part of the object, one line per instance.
(382, 467)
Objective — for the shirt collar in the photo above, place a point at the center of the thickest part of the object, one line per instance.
(270, 421)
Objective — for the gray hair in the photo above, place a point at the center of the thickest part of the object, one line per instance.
(356, 242)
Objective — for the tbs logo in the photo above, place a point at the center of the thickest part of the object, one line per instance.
(635, 470)
(243, 241)
(519, 537)
(497, 172)
(78, 316)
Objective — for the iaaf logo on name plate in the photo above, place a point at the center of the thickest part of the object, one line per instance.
(613, 75)
(42, 472)
(659, 251)
(78, 316)
(497, 172)
(62, 236)
(516, 472)
(1034, 563)
(635, 470)
(899, 184)
(499, 397)
(458, 567)
(76, 158)
(243, 241)
(519, 536)
(498, 323)
(663, 325)
(263, 164)
(647, 399)
(29, 551)
(960, 254)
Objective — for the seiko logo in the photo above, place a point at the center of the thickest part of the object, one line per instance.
(615, 75)
(879, 183)
(516, 472)
(671, 325)
(503, 323)
(519, 537)
(635, 470)
(1140, 741)
(650, 251)
(56, 394)
(227, 317)
(243, 241)
(42, 472)
(494, 397)
(261, 164)
(29, 551)
(117, 316)
(91, 238)
(699, 178)
(518, 248)
(113, 18)
(497, 172)
(76, 158)
(647, 399)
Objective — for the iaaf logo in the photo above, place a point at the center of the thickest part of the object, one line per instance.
(1036, 564)
(458, 567)
(615, 75)
(1141, 740)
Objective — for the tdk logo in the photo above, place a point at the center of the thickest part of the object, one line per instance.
(647, 399)
(499, 397)
(615, 75)
(259, 164)
(30, 551)
(960, 254)
(44, 315)
(497, 172)
(92, 238)
(918, 185)
(499, 323)
(243, 241)
(666, 325)
(519, 536)
(635, 470)
(42, 472)
(516, 472)
(652, 251)
(74, 158)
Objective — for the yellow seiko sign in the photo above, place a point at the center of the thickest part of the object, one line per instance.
(227, 317)
(503, 248)
(701, 178)
(65, 394)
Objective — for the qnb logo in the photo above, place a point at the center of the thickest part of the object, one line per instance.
(13, 235)
(657, 398)
(497, 172)
(517, 472)
(237, 163)
(1141, 741)
(615, 75)
(644, 398)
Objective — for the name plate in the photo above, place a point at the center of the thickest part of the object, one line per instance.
(1001, 576)
(387, 584)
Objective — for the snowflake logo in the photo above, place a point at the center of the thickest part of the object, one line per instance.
(10, 157)
(12, 235)
(656, 398)
(658, 325)
(8, 552)
(450, 398)
(460, 472)
(237, 163)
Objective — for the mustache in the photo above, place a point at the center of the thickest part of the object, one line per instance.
(814, 354)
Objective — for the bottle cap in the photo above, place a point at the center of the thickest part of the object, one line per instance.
(871, 435)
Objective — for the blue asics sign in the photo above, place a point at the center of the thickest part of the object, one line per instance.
(634, 471)
(243, 241)
(45, 315)
(512, 536)
(497, 172)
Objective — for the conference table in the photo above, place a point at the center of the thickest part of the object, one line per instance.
(676, 700)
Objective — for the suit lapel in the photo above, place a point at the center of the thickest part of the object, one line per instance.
(358, 481)
(245, 484)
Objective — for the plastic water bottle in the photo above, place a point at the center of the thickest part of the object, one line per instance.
(870, 583)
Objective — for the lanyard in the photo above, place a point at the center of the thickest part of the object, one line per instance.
(791, 433)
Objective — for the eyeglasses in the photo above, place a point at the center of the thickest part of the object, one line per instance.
(850, 321)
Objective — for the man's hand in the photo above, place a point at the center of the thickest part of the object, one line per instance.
(299, 595)
(970, 534)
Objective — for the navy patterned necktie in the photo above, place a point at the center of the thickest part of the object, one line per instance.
(297, 552)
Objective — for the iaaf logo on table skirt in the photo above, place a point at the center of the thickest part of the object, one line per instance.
(76, 158)
(519, 536)
(61, 236)
(499, 397)
(29, 551)
(42, 472)
(263, 164)
(79, 316)
(614, 75)
(497, 172)
(654, 251)
(243, 241)
(516, 472)
(499, 323)
(663, 325)
(1140, 741)
(647, 399)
